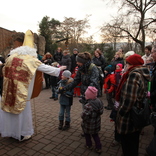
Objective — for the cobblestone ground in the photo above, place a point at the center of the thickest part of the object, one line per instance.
(49, 141)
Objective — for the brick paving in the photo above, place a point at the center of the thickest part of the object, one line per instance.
(49, 141)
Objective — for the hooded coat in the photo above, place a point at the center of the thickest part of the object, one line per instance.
(132, 92)
(91, 116)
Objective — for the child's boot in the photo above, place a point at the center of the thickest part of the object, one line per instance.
(67, 125)
(60, 125)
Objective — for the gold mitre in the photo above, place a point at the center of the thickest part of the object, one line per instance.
(29, 39)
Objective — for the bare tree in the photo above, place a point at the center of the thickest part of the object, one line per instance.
(138, 16)
(74, 29)
(111, 34)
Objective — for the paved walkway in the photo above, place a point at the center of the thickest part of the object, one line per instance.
(49, 141)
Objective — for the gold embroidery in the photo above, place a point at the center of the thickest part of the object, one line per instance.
(18, 72)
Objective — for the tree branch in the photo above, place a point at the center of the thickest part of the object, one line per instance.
(134, 38)
(135, 6)
(145, 26)
(147, 4)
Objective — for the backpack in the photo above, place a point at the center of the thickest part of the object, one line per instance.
(101, 75)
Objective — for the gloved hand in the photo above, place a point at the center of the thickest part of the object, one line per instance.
(83, 100)
(116, 104)
(148, 94)
(61, 90)
(108, 91)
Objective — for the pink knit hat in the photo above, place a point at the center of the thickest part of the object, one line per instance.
(91, 93)
(120, 65)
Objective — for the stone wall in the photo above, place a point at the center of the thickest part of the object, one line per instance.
(5, 41)
(10, 39)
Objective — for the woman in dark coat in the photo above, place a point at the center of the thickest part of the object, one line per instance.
(58, 55)
(66, 60)
(118, 58)
(87, 74)
(73, 60)
(100, 62)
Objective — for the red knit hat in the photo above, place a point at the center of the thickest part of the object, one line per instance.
(135, 59)
(91, 93)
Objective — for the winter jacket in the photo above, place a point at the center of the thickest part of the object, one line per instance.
(66, 61)
(132, 92)
(109, 83)
(58, 57)
(91, 116)
(54, 80)
(73, 62)
(153, 87)
(49, 61)
(100, 62)
(117, 75)
(115, 62)
(66, 98)
(87, 76)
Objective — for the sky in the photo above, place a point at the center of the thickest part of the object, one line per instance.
(23, 15)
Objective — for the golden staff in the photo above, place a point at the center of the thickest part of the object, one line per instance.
(34, 104)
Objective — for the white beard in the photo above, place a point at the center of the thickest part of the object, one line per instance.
(24, 50)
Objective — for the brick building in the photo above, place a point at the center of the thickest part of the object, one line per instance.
(5, 41)
(9, 39)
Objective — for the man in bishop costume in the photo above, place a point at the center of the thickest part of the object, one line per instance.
(22, 74)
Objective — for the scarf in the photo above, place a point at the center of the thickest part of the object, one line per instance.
(123, 80)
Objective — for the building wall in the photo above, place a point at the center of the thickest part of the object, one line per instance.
(5, 40)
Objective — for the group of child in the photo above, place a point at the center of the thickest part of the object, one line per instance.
(91, 120)
(93, 109)
(91, 114)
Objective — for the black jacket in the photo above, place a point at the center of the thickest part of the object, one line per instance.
(99, 62)
(66, 61)
(73, 62)
(115, 62)
(153, 87)
(58, 57)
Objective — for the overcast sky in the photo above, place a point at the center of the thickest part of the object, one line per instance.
(21, 15)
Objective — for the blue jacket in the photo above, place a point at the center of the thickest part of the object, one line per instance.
(66, 98)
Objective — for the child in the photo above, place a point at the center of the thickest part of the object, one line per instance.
(118, 75)
(77, 91)
(91, 118)
(65, 100)
(53, 81)
(109, 86)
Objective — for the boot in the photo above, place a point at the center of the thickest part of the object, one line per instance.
(60, 125)
(67, 125)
